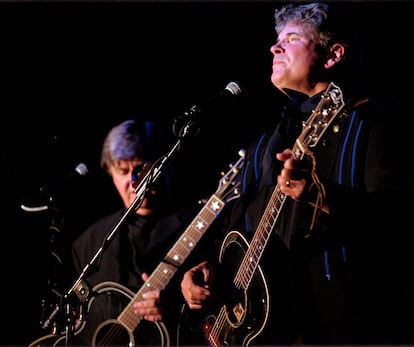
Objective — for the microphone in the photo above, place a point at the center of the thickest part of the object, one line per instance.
(80, 170)
(49, 192)
(231, 89)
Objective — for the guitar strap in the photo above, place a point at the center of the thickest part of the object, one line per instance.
(316, 182)
(320, 188)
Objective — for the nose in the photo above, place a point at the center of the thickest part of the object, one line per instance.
(276, 48)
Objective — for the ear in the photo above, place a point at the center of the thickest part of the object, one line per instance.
(336, 53)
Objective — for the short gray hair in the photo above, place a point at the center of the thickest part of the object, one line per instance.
(316, 15)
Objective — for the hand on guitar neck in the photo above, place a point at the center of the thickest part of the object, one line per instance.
(150, 307)
(295, 179)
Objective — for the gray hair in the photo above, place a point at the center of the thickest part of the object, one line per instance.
(315, 15)
(127, 141)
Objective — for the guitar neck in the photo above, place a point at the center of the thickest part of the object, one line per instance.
(261, 237)
(328, 108)
(165, 271)
(192, 235)
(258, 243)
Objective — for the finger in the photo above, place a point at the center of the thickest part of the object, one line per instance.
(152, 294)
(285, 155)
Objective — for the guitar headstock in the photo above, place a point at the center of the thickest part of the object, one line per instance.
(230, 182)
(328, 108)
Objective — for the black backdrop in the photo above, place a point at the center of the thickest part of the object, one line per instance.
(70, 70)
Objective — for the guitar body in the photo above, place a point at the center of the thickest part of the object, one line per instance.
(243, 315)
(101, 326)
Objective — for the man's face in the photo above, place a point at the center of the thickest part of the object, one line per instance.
(295, 58)
(122, 172)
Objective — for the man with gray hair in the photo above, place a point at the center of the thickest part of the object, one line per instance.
(326, 205)
(138, 247)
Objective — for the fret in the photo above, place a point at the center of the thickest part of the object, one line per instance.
(183, 247)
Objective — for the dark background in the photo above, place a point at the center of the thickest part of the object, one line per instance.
(71, 70)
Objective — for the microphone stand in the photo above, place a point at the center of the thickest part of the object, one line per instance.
(80, 287)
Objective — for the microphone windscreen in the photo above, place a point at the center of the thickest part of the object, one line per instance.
(233, 88)
(82, 169)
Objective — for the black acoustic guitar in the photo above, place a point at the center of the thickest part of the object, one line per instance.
(245, 313)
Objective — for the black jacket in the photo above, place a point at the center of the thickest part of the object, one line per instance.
(345, 279)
